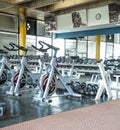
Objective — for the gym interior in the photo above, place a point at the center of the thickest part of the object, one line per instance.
(59, 64)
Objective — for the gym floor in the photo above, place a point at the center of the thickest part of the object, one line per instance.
(24, 108)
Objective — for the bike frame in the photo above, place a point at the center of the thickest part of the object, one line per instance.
(55, 71)
(5, 65)
(24, 68)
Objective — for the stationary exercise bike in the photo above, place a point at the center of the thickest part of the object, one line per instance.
(3, 64)
(49, 78)
(43, 62)
(5, 67)
(23, 75)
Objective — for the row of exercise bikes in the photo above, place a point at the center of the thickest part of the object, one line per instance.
(44, 83)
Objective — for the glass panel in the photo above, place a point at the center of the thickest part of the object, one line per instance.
(60, 44)
(82, 48)
(31, 40)
(109, 50)
(71, 49)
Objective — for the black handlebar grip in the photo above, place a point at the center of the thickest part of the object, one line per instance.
(23, 48)
(19, 47)
(40, 49)
(40, 44)
(50, 46)
(3, 51)
(12, 47)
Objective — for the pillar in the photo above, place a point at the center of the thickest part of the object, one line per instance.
(22, 28)
(98, 39)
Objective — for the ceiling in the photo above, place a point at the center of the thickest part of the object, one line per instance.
(39, 8)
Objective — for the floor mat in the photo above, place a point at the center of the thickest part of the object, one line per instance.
(103, 116)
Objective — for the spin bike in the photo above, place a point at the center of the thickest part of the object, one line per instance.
(23, 75)
(5, 67)
(49, 78)
(44, 58)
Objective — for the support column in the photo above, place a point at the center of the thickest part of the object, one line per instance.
(22, 28)
(98, 39)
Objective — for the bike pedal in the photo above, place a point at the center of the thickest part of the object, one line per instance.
(17, 94)
(47, 100)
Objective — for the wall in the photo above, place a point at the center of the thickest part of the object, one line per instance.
(87, 17)
(98, 16)
(8, 23)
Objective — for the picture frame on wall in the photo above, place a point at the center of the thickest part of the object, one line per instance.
(79, 18)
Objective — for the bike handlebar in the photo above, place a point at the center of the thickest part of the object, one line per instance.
(40, 49)
(15, 47)
(12, 47)
(3, 52)
(49, 46)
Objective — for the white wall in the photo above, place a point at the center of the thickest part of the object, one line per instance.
(88, 18)
(93, 13)
(65, 21)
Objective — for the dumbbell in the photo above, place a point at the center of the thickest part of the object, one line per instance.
(82, 88)
(76, 86)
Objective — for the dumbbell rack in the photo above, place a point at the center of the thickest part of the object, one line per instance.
(81, 68)
(32, 63)
(64, 67)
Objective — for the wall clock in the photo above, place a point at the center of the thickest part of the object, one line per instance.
(98, 16)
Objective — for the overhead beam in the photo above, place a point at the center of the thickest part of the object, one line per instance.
(20, 1)
(15, 1)
(49, 5)
(67, 4)
(88, 31)
(40, 3)
(116, 2)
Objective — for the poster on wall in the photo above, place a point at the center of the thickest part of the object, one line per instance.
(79, 18)
(31, 26)
(50, 23)
(114, 13)
(72, 20)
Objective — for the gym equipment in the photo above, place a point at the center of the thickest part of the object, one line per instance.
(105, 83)
(2, 108)
(5, 67)
(53, 72)
(23, 76)
(42, 64)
